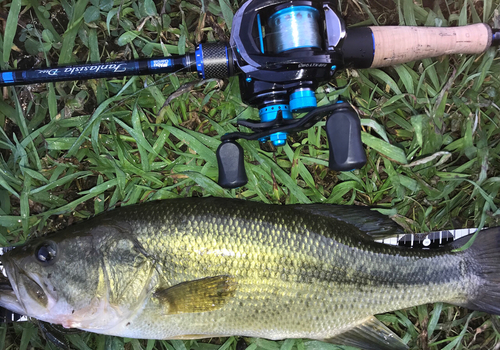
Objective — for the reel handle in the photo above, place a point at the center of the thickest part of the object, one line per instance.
(343, 129)
(231, 164)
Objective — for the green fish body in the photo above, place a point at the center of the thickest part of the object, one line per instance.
(206, 267)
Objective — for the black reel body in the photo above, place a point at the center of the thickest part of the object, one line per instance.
(284, 50)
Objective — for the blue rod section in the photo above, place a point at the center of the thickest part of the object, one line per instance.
(7, 77)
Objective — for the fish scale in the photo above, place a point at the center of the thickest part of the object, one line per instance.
(195, 268)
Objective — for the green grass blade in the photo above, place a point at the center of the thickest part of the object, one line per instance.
(385, 148)
(70, 35)
(12, 20)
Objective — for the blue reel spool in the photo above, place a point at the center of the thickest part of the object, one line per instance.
(295, 27)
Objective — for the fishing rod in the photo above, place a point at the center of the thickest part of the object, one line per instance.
(282, 50)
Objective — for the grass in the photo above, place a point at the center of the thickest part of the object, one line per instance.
(71, 150)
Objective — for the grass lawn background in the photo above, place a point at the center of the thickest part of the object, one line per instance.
(71, 150)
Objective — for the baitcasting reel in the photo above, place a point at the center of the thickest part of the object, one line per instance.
(283, 50)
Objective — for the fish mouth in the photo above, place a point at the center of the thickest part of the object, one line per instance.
(5, 285)
(26, 294)
(8, 295)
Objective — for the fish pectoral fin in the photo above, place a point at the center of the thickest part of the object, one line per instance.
(206, 294)
(370, 335)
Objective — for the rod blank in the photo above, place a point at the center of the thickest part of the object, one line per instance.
(98, 70)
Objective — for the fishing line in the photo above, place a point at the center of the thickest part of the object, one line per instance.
(293, 28)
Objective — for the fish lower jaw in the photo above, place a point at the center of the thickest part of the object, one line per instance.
(97, 322)
(9, 301)
(98, 315)
(71, 324)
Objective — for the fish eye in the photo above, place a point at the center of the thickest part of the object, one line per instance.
(46, 252)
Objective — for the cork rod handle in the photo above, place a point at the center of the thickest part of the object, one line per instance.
(394, 45)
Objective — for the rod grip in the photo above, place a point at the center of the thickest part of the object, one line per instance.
(397, 44)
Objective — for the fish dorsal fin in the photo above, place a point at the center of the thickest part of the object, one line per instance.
(366, 220)
(370, 335)
(206, 294)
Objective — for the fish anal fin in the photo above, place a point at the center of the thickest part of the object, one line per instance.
(196, 336)
(370, 335)
(206, 294)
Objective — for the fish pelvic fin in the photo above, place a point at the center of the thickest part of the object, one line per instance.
(206, 294)
(485, 258)
(370, 335)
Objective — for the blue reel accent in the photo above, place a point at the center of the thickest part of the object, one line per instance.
(495, 40)
(373, 41)
(302, 101)
(268, 114)
(278, 138)
(261, 37)
(200, 67)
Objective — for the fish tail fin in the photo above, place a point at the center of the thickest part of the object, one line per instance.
(485, 252)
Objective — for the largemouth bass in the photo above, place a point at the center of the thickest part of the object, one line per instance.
(207, 267)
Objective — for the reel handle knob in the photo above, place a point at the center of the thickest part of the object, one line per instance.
(343, 129)
(231, 165)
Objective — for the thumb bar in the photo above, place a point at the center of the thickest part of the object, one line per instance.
(386, 46)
